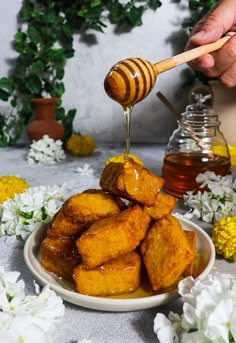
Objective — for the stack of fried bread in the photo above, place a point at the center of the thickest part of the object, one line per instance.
(101, 239)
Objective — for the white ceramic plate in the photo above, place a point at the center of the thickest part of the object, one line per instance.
(205, 249)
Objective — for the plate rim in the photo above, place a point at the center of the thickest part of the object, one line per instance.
(111, 304)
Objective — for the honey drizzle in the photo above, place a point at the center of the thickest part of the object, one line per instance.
(127, 114)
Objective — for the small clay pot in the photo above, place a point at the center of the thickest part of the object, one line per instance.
(44, 122)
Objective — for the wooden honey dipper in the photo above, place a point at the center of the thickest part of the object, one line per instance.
(130, 81)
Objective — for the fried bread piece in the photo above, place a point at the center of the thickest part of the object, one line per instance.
(120, 202)
(164, 204)
(112, 237)
(166, 252)
(88, 207)
(192, 241)
(120, 275)
(61, 226)
(60, 256)
(131, 181)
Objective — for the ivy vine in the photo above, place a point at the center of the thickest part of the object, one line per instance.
(44, 42)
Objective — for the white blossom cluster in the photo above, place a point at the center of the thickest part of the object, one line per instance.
(46, 151)
(216, 200)
(27, 318)
(29, 210)
(209, 312)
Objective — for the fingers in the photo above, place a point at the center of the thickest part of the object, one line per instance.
(224, 57)
(221, 63)
(228, 77)
(203, 62)
(220, 19)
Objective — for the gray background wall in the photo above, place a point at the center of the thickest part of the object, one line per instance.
(160, 37)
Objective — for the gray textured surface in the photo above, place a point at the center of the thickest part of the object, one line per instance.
(81, 323)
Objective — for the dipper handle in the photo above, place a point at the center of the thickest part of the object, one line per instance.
(131, 80)
(190, 55)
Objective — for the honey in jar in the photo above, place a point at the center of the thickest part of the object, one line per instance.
(196, 146)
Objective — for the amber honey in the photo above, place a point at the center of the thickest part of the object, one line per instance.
(180, 170)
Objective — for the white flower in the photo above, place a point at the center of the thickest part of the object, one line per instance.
(216, 201)
(29, 210)
(46, 151)
(221, 186)
(164, 329)
(204, 178)
(209, 312)
(23, 317)
(85, 170)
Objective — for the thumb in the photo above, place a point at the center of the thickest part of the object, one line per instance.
(220, 19)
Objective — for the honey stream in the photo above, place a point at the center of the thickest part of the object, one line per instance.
(127, 115)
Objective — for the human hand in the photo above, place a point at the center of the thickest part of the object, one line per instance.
(221, 63)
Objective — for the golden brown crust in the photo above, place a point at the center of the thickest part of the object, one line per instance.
(121, 203)
(60, 256)
(164, 204)
(192, 241)
(131, 181)
(166, 252)
(62, 226)
(118, 276)
(112, 237)
(89, 207)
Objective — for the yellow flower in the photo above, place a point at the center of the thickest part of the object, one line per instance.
(221, 151)
(11, 185)
(80, 145)
(122, 158)
(232, 152)
(224, 237)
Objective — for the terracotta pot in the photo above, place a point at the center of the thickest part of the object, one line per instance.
(44, 122)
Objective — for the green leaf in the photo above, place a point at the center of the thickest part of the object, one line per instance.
(24, 13)
(34, 85)
(60, 73)
(5, 82)
(4, 95)
(69, 53)
(26, 215)
(66, 29)
(95, 3)
(34, 34)
(20, 42)
(92, 13)
(154, 4)
(50, 16)
(66, 120)
(37, 65)
(58, 90)
(44, 214)
(117, 14)
(135, 15)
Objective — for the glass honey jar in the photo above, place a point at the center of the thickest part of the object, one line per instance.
(196, 146)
